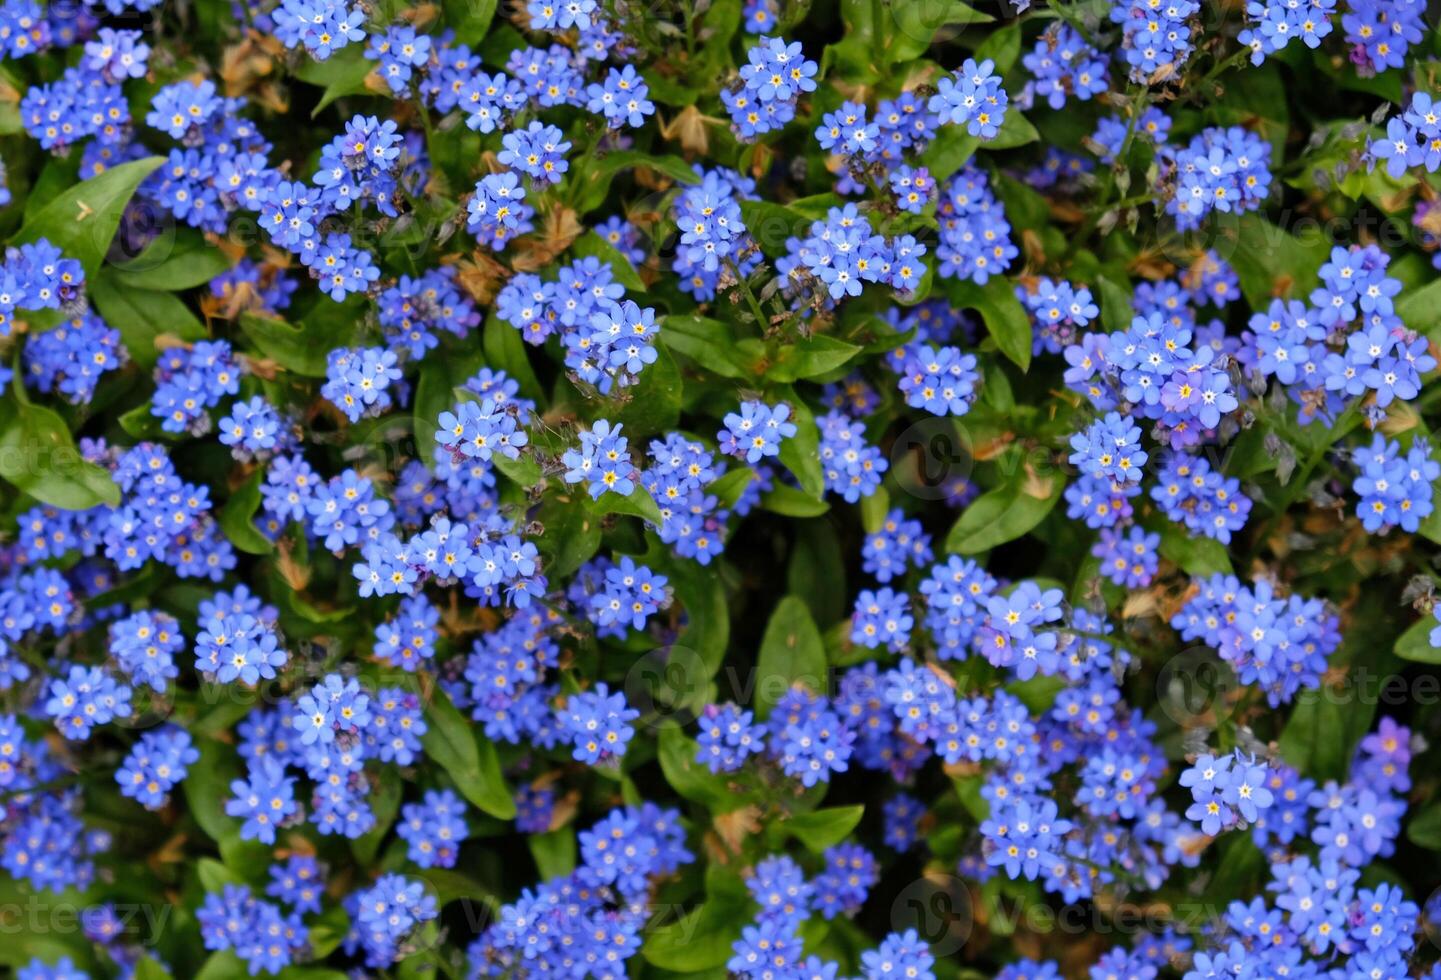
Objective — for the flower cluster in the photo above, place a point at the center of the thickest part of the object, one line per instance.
(1064, 66)
(1157, 38)
(777, 72)
(1274, 25)
(1226, 170)
(1226, 791)
(972, 97)
(1282, 644)
(975, 241)
(567, 461)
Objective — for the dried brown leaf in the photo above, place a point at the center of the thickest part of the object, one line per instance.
(689, 128)
(481, 276)
(535, 251)
(732, 829)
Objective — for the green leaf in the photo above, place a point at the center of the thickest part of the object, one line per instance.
(284, 344)
(721, 23)
(469, 757)
(1026, 208)
(342, 74)
(172, 262)
(146, 968)
(790, 502)
(524, 472)
(791, 653)
(1323, 730)
(708, 342)
(874, 510)
(310, 973)
(1240, 868)
(554, 852)
(816, 206)
(1038, 693)
(701, 938)
(952, 148)
(304, 348)
(385, 804)
(39, 457)
(82, 219)
(329, 929)
(771, 224)
(435, 393)
(728, 487)
(237, 518)
(821, 829)
(450, 885)
(816, 570)
(1415, 643)
(1002, 515)
(667, 91)
(58, 174)
(1003, 46)
(142, 315)
(594, 176)
(639, 503)
(801, 452)
(1117, 311)
(676, 753)
(1269, 262)
(672, 166)
(1420, 309)
(214, 876)
(1005, 317)
(225, 965)
(470, 19)
(505, 350)
(302, 617)
(591, 245)
(1196, 554)
(810, 356)
(865, 36)
(571, 534)
(915, 23)
(701, 592)
(1424, 829)
(1015, 130)
(654, 401)
(207, 788)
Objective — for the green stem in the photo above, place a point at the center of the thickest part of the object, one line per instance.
(426, 125)
(688, 12)
(751, 300)
(1223, 65)
(1139, 102)
(1301, 477)
(1125, 202)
